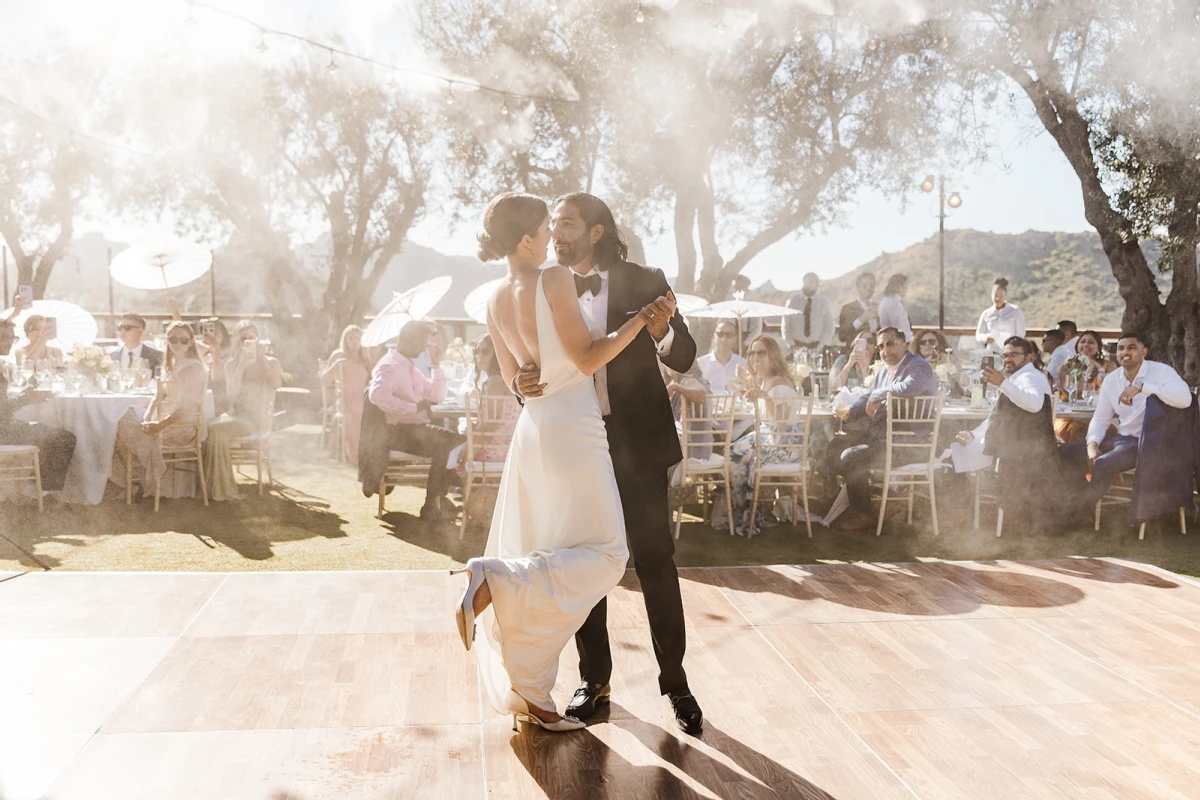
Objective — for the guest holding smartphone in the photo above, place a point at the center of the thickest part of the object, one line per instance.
(36, 346)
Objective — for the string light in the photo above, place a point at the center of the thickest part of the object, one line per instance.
(798, 35)
(73, 136)
(504, 109)
(450, 94)
(1079, 40)
(638, 15)
(332, 65)
(872, 44)
(262, 41)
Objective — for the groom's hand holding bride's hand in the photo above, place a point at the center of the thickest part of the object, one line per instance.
(528, 381)
(658, 315)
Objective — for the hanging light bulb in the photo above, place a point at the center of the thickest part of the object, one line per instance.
(504, 107)
(954, 200)
(638, 15)
(449, 94)
(798, 35)
(1079, 40)
(332, 65)
(945, 41)
(872, 44)
(262, 41)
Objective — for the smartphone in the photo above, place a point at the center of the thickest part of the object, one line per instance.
(25, 293)
(51, 328)
(989, 362)
(208, 327)
(860, 347)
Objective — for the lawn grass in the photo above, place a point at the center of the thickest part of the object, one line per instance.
(318, 519)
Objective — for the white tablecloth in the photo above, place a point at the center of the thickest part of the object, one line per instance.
(93, 419)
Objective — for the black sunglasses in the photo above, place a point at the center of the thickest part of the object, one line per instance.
(128, 327)
(178, 340)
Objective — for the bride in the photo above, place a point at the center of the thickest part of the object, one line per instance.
(557, 541)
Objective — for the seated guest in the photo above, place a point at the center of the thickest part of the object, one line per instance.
(485, 366)
(903, 375)
(500, 421)
(211, 345)
(36, 346)
(1050, 342)
(851, 368)
(351, 359)
(1069, 331)
(1019, 435)
(1105, 454)
(55, 446)
(769, 381)
(251, 378)
(1089, 347)
(720, 367)
(433, 353)
(175, 413)
(929, 345)
(129, 330)
(405, 395)
(691, 388)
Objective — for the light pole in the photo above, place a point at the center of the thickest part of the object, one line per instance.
(954, 201)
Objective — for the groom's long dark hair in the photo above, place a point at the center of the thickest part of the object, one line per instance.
(611, 249)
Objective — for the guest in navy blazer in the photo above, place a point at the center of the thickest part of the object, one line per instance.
(902, 374)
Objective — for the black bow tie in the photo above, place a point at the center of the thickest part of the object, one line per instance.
(589, 283)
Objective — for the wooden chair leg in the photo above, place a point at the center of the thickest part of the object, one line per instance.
(382, 495)
(999, 522)
(37, 480)
(1142, 531)
(912, 495)
(462, 528)
(158, 488)
(259, 466)
(977, 480)
(1098, 514)
(200, 476)
(883, 498)
(678, 519)
(933, 506)
(1182, 522)
(753, 511)
(128, 479)
(729, 500)
(804, 493)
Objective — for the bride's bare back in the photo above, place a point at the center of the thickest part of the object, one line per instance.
(512, 313)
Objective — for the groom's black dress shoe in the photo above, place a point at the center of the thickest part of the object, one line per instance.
(587, 697)
(688, 716)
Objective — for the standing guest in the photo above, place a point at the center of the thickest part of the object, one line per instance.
(852, 367)
(892, 311)
(903, 375)
(1001, 320)
(813, 327)
(1069, 331)
(176, 412)
(768, 380)
(36, 346)
(351, 359)
(1105, 454)
(251, 378)
(55, 446)
(1019, 434)
(129, 330)
(405, 395)
(859, 314)
(720, 367)
(929, 345)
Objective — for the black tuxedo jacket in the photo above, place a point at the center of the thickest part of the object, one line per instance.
(642, 425)
(153, 357)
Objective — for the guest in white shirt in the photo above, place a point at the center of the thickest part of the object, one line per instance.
(130, 329)
(1000, 321)
(892, 313)
(1021, 382)
(720, 367)
(813, 327)
(1123, 396)
(1070, 332)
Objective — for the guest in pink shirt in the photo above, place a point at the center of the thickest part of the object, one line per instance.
(405, 395)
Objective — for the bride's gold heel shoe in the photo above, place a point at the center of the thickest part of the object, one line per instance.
(465, 613)
(520, 711)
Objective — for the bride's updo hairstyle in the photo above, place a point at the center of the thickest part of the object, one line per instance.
(509, 218)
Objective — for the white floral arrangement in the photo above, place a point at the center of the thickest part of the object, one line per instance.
(800, 372)
(91, 360)
(1078, 364)
(946, 370)
(459, 353)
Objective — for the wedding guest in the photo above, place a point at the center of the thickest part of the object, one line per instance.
(861, 313)
(1001, 320)
(1019, 436)
(1051, 341)
(211, 345)
(498, 420)
(720, 366)
(36, 346)
(902, 375)
(251, 378)
(405, 395)
(55, 446)
(892, 311)
(769, 381)
(351, 360)
(484, 367)
(175, 413)
(929, 345)
(852, 367)
(1069, 331)
(1090, 349)
(130, 329)
(811, 329)
(433, 353)
(1106, 453)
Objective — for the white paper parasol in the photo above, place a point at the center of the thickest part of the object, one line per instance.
(162, 264)
(75, 324)
(476, 303)
(687, 303)
(404, 308)
(740, 308)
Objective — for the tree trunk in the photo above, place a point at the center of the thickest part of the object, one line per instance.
(685, 242)
(1183, 304)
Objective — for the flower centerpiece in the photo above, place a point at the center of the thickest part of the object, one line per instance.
(1077, 367)
(459, 358)
(91, 362)
(799, 372)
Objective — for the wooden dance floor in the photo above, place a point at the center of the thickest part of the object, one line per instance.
(1072, 679)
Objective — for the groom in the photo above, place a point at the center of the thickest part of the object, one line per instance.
(641, 438)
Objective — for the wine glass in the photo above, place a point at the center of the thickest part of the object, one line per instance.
(27, 372)
(129, 377)
(76, 382)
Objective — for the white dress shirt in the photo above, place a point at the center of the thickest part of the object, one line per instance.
(999, 324)
(1060, 356)
(1154, 378)
(125, 363)
(1028, 388)
(893, 314)
(595, 315)
(873, 324)
(821, 326)
(717, 374)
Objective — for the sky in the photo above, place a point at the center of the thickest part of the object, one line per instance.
(1028, 185)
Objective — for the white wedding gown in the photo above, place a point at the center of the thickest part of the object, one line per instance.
(557, 542)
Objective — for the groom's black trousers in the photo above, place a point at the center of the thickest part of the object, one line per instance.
(643, 489)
